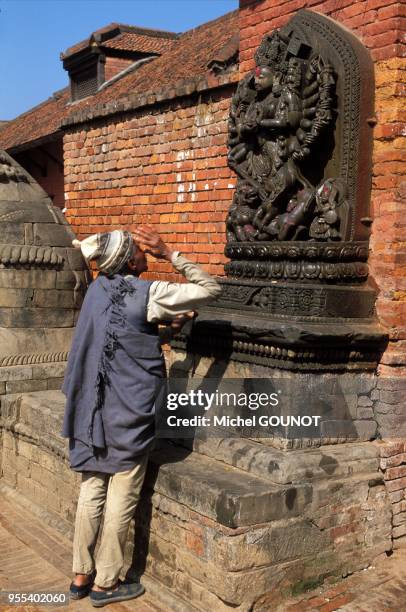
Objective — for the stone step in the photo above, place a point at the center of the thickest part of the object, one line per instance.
(221, 492)
(286, 467)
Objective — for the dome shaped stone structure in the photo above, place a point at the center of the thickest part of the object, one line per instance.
(42, 278)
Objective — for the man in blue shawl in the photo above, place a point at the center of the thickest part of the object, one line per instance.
(112, 384)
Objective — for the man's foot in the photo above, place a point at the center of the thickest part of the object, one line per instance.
(99, 589)
(123, 592)
(81, 585)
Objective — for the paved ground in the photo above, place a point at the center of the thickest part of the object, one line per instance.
(381, 588)
(35, 557)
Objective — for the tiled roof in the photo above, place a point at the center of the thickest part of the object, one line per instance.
(187, 59)
(119, 36)
(41, 121)
(128, 41)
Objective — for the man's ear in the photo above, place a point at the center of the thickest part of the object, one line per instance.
(131, 264)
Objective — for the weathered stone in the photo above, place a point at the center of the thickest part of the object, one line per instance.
(365, 412)
(16, 373)
(391, 384)
(40, 279)
(395, 472)
(34, 317)
(392, 425)
(18, 386)
(29, 341)
(284, 468)
(366, 430)
(53, 299)
(229, 496)
(52, 234)
(382, 408)
(394, 461)
(393, 396)
(55, 384)
(12, 233)
(49, 370)
(396, 485)
(347, 430)
(396, 496)
(399, 507)
(67, 280)
(389, 448)
(15, 297)
(28, 233)
(399, 531)
(76, 260)
(364, 400)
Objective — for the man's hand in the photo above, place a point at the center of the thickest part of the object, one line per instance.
(151, 242)
(180, 321)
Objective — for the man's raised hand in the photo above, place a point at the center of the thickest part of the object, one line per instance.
(151, 242)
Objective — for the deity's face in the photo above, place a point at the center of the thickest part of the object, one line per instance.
(263, 79)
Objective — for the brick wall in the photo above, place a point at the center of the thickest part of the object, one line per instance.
(165, 165)
(393, 466)
(379, 24)
(114, 65)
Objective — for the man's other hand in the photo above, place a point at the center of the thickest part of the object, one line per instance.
(151, 242)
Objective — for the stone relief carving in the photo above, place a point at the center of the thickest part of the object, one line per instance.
(281, 115)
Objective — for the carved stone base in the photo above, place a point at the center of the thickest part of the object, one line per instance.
(285, 342)
(287, 300)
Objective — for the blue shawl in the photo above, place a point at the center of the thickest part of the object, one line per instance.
(103, 327)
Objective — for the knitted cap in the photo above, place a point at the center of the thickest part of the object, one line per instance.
(110, 250)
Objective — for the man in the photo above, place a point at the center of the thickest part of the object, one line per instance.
(112, 385)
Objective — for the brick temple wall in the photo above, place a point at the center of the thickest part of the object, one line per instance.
(164, 165)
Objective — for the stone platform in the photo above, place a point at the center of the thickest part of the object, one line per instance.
(227, 525)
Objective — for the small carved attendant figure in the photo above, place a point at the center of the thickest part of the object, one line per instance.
(331, 211)
(239, 219)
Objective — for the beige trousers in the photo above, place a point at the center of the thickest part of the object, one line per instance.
(118, 494)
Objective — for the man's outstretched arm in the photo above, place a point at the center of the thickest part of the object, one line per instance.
(168, 300)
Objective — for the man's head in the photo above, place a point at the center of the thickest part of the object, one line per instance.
(113, 252)
(138, 261)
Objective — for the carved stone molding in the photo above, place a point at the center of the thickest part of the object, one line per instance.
(28, 359)
(29, 255)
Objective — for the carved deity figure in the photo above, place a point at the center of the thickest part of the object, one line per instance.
(279, 116)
